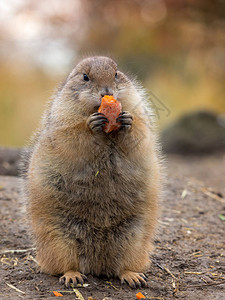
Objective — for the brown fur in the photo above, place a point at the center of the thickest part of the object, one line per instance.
(92, 196)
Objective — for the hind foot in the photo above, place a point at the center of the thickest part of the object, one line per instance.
(72, 277)
(134, 280)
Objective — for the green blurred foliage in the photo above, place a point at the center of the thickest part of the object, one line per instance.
(176, 48)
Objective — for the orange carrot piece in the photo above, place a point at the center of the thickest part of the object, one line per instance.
(111, 108)
(57, 294)
(140, 295)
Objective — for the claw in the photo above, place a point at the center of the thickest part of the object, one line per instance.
(122, 113)
(126, 120)
(68, 282)
(98, 118)
(138, 284)
(126, 114)
(62, 279)
(125, 127)
(98, 127)
(72, 277)
(134, 280)
(84, 277)
(97, 121)
(133, 285)
(97, 114)
(81, 280)
(143, 276)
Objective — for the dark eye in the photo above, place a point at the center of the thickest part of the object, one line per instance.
(116, 75)
(85, 77)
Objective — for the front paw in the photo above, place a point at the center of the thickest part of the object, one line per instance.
(133, 279)
(96, 122)
(72, 277)
(125, 119)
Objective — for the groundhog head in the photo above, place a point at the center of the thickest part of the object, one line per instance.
(90, 80)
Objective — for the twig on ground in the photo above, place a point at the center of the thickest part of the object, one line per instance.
(30, 257)
(184, 194)
(207, 190)
(203, 285)
(212, 195)
(16, 250)
(156, 298)
(195, 273)
(175, 281)
(172, 210)
(110, 283)
(78, 294)
(4, 260)
(163, 223)
(13, 287)
(196, 253)
(64, 291)
(9, 261)
(169, 272)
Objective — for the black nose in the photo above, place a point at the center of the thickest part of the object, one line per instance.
(106, 91)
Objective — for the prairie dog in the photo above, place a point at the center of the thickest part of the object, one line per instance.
(92, 197)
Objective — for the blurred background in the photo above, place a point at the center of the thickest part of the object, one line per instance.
(175, 47)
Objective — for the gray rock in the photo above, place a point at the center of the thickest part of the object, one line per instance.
(197, 132)
(9, 161)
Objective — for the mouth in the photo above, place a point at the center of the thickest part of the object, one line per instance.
(98, 102)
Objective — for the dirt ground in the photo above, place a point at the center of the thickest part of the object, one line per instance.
(189, 257)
